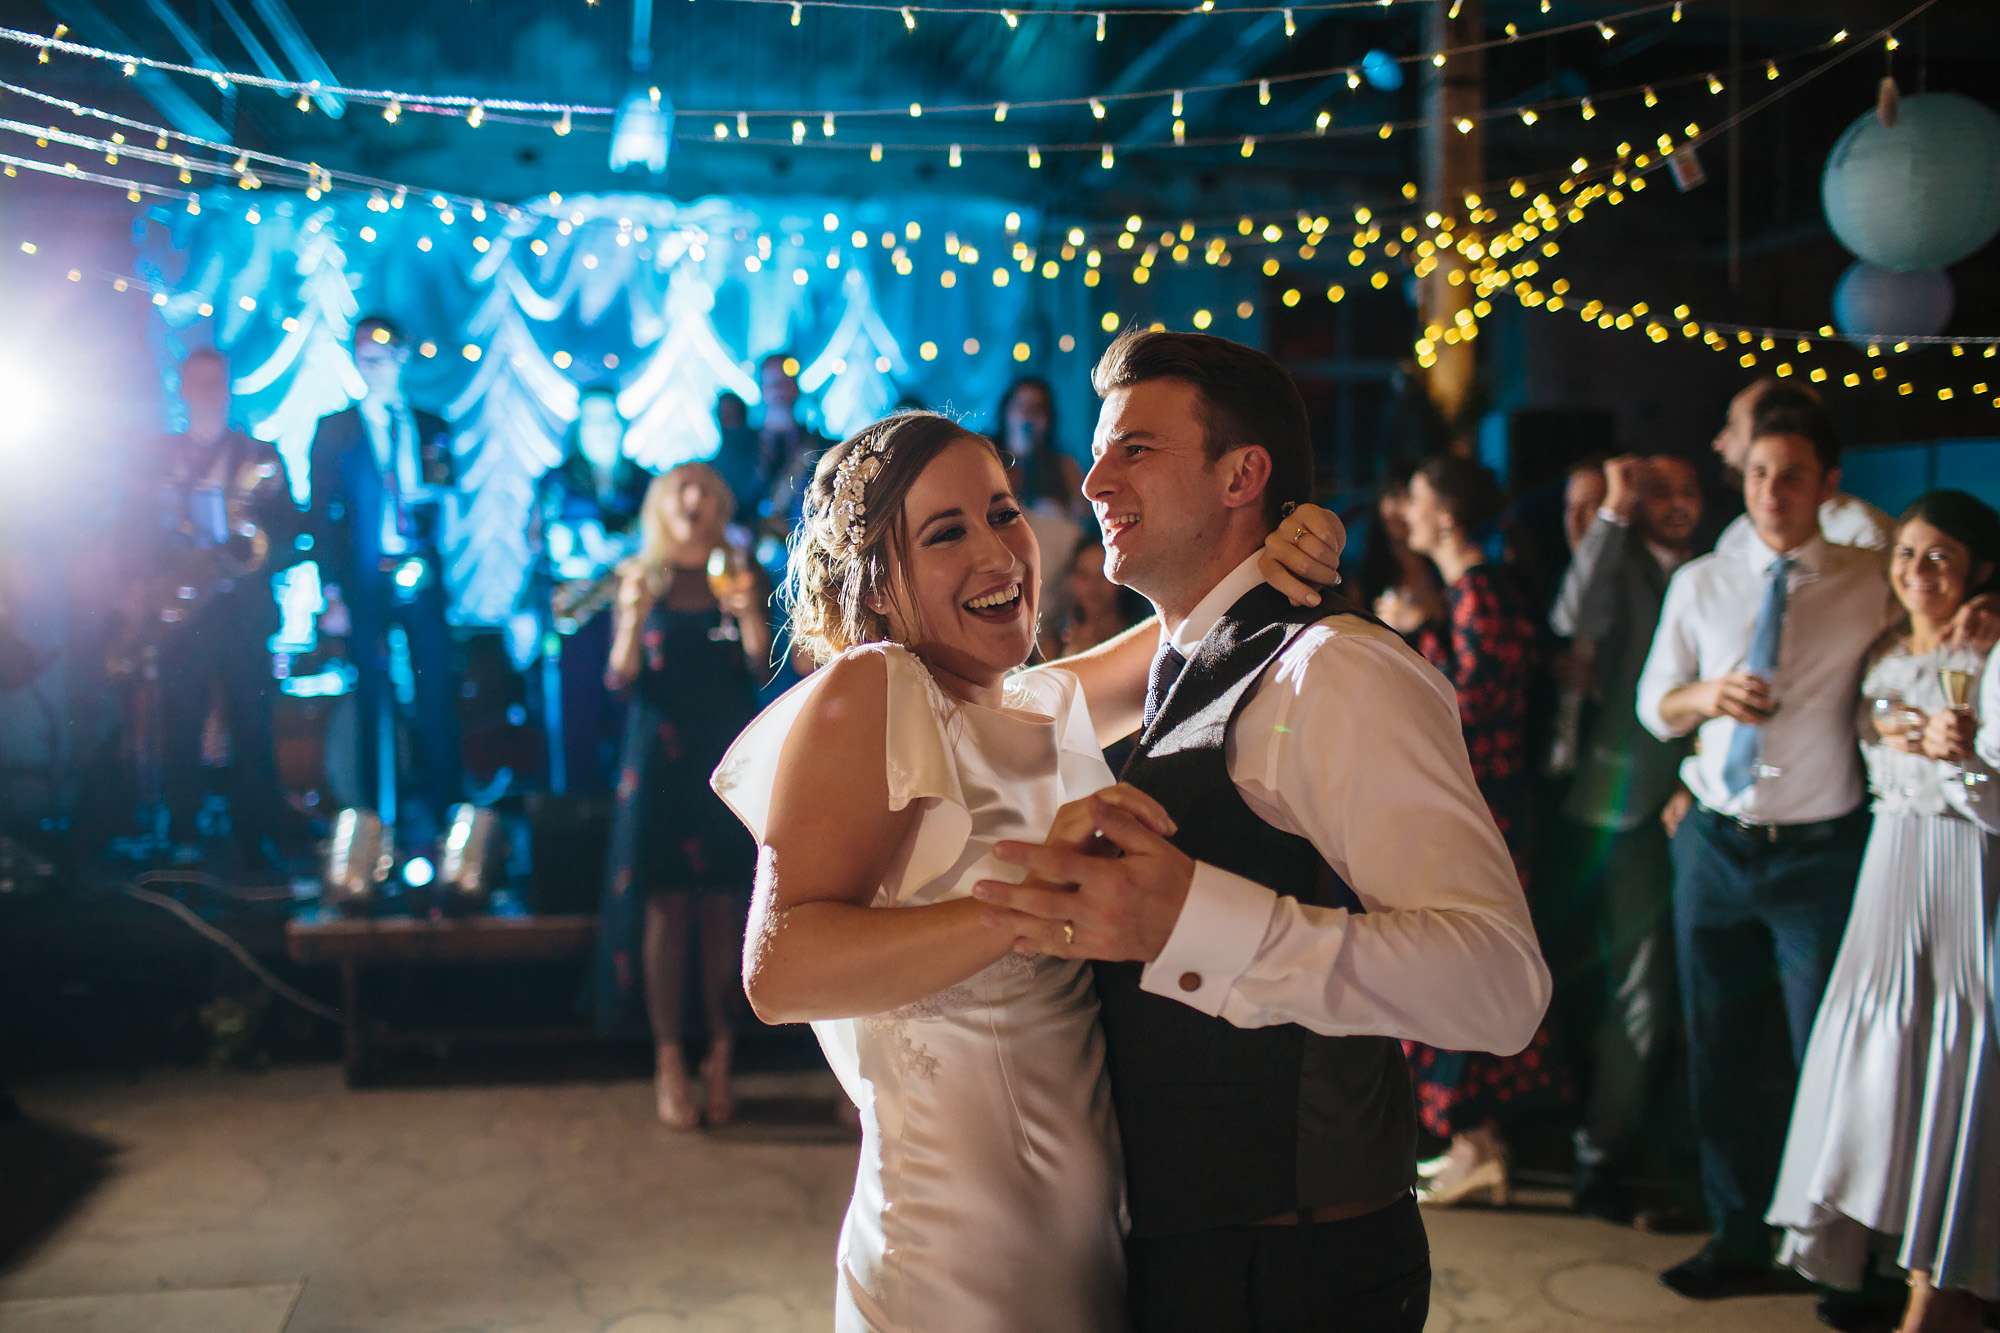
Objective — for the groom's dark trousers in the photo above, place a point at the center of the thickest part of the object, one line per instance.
(1369, 1274)
(1268, 1170)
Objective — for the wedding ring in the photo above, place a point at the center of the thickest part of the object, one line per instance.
(1069, 932)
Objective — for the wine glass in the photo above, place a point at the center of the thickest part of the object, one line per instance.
(1958, 675)
(728, 576)
(1896, 719)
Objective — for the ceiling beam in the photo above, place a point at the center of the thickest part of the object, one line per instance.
(298, 49)
(181, 110)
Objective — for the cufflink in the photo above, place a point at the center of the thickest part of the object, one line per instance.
(1190, 981)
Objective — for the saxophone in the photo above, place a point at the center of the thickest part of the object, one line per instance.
(577, 602)
(181, 578)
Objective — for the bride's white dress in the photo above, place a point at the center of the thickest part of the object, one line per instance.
(989, 1192)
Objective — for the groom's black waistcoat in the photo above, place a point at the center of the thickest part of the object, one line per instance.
(1224, 1125)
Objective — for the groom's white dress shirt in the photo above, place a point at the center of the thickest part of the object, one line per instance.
(1352, 741)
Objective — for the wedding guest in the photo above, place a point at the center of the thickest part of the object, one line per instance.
(1895, 1132)
(1759, 649)
(1618, 873)
(1099, 609)
(1049, 483)
(1844, 520)
(731, 413)
(687, 649)
(1484, 644)
(1388, 565)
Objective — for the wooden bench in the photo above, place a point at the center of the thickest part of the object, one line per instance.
(506, 935)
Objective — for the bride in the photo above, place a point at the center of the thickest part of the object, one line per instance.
(989, 1189)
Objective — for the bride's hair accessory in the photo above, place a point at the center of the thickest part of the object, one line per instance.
(850, 493)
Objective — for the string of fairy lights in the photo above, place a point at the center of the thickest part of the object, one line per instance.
(390, 196)
(740, 124)
(253, 166)
(1422, 251)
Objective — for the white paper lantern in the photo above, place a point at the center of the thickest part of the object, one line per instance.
(1871, 302)
(1922, 194)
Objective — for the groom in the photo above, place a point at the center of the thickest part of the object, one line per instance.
(1336, 883)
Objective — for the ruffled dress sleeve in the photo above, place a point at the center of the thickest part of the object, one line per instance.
(920, 766)
(1056, 692)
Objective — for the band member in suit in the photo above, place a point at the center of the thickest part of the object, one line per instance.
(586, 510)
(226, 523)
(382, 474)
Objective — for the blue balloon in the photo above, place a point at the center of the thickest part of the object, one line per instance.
(1921, 194)
(1870, 303)
(1382, 71)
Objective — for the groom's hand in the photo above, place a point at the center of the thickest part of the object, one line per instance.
(1118, 908)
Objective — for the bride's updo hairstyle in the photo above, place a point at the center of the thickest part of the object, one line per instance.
(846, 550)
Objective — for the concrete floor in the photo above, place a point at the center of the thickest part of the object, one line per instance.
(254, 1203)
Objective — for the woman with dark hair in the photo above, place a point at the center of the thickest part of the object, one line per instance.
(1485, 644)
(585, 510)
(1049, 483)
(1388, 565)
(1895, 1133)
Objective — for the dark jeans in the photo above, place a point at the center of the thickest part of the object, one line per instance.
(432, 716)
(1751, 916)
(222, 655)
(1369, 1274)
(1639, 1014)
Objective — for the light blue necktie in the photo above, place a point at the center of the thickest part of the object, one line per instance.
(1739, 768)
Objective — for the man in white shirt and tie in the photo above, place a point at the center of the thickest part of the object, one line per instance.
(1844, 520)
(382, 472)
(1337, 881)
(1759, 652)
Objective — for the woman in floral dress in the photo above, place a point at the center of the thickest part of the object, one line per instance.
(1485, 644)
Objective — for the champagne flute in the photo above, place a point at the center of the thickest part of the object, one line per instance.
(728, 573)
(1958, 672)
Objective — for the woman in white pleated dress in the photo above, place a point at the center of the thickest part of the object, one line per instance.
(989, 1191)
(1894, 1145)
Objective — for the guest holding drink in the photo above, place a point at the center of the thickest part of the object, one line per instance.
(1760, 650)
(1896, 1128)
(690, 639)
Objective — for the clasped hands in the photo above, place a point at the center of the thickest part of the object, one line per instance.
(1106, 883)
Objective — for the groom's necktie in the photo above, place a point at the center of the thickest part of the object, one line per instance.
(1746, 743)
(1160, 677)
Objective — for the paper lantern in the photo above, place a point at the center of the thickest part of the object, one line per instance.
(1870, 301)
(1921, 194)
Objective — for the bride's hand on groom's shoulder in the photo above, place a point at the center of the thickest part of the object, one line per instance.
(1302, 554)
(1119, 903)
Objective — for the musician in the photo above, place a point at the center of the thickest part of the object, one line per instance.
(382, 475)
(586, 509)
(767, 468)
(225, 524)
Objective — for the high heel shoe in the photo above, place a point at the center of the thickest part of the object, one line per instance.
(673, 1099)
(1487, 1182)
(719, 1099)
